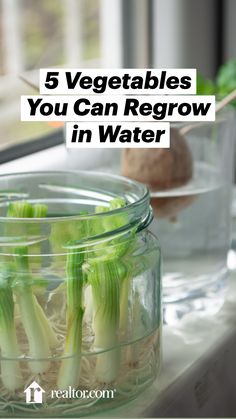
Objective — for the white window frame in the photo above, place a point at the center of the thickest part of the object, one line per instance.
(174, 23)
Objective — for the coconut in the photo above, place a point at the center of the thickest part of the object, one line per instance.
(162, 169)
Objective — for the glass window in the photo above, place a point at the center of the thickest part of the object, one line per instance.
(1, 42)
(42, 33)
(49, 33)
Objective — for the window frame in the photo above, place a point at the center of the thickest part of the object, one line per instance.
(26, 148)
(121, 13)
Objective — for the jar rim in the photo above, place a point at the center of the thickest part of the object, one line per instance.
(144, 195)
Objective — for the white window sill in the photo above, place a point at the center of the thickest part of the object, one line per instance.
(59, 158)
(51, 159)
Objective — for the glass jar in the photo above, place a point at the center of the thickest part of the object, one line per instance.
(193, 223)
(80, 294)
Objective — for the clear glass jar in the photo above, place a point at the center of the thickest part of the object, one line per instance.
(80, 293)
(193, 223)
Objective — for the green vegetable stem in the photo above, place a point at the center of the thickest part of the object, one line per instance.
(104, 278)
(109, 280)
(10, 370)
(39, 332)
(39, 349)
(70, 366)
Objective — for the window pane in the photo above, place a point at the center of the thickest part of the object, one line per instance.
(46, 33)
(42, 33)
(90, 29)
(1, 42)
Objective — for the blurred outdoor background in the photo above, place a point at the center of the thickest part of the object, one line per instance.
(104, 33)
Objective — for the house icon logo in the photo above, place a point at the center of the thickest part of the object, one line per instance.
(34, 393)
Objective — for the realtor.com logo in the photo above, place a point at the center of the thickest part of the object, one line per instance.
(34, 393)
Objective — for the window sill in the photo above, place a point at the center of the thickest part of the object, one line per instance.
(49, 159)
(60, 158)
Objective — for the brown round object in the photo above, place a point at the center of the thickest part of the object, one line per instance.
(160, 168)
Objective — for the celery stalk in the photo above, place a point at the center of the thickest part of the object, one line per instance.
(104, 279)
(39, 332)
(49, 332)
(20, 209)
(109, 280)
(10, 369)
(39, 211)
(70, 366)
(39, 348)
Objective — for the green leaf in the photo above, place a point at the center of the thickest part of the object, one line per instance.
(205, 86)
(226, 79)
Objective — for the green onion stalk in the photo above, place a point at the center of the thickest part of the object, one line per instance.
(120, 247)
(104, 278)
(108, 277)
(39, 348)
(69, 371)
(10, 370)
(40, 334)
